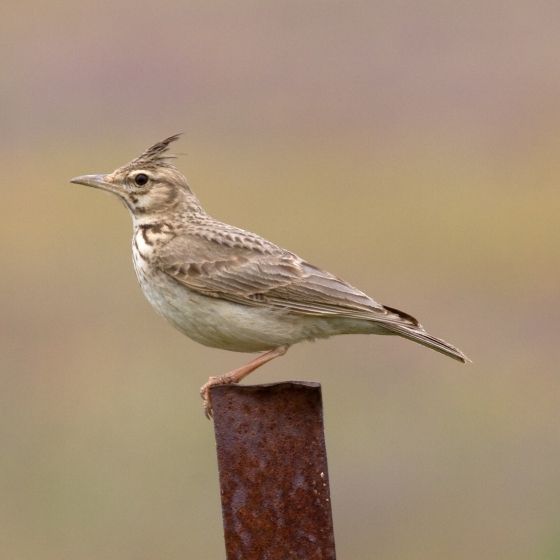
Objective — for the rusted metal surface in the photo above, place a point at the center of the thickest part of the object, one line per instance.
(273, 471)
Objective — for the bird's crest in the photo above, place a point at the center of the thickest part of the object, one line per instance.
(156, 155)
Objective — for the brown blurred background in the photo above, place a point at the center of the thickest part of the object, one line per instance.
(409, 147)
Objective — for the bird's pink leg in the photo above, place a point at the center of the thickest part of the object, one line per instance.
(237, 375)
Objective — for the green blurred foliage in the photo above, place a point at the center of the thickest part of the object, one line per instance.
(410, 148)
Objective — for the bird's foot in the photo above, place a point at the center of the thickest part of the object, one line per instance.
(237, 375)
(213, 382)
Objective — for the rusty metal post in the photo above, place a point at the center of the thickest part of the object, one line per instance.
(273, 471)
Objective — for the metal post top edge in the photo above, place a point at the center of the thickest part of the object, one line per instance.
(278, 384)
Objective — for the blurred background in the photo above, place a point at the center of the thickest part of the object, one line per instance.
(409, 147)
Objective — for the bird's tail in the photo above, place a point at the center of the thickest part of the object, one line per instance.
(411, 329)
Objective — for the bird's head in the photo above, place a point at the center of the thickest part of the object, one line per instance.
(149, 185)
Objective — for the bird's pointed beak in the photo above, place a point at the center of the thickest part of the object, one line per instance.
(97, 181)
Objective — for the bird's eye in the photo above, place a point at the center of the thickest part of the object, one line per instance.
(141, 179)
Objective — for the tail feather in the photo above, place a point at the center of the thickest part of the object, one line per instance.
(419, 335)
(408, 327)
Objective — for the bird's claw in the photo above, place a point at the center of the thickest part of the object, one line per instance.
(205, 394)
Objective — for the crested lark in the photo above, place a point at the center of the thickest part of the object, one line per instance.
(231, 289)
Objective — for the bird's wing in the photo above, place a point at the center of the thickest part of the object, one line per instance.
(280, 280)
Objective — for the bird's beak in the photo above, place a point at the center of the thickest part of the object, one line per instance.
(97, 181)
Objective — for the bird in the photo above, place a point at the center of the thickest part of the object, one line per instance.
(227, 288)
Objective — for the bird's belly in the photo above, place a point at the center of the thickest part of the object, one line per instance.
(222, 324)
